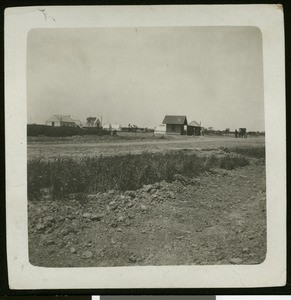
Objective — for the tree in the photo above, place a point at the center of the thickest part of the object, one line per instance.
(91, 120)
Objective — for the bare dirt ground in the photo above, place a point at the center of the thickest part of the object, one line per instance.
(217, 218)
(50, 148)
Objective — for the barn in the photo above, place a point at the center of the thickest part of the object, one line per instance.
(194, 128)
(175, 124)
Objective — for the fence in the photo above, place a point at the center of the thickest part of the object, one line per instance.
(36, 130)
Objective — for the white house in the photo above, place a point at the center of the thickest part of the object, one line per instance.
(62, 120)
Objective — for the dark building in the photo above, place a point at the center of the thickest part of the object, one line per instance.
(175, 124)
(194, 128)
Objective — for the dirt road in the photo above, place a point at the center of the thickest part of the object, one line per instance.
(53, 150)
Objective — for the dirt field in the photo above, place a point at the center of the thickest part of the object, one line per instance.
(50, 148)
(218, 218)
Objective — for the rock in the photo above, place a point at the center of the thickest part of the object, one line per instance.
(64, 232)
(113, 224)
(157, 185)
(87, 254)
(236, 261)
(253, 262)
(96, 217)
(113, 205)
(154, 196)
(119, 229)
(163, 183)
(127, 223)
(131, 194)
(52, 251)
(133, 258)
(143, 231)
(73, 250)
(171, 195)
(148, 187)
(50, 219)
(143, 207)
(121, 219)
(50, 242)
(129, 204)
(40, 227)
(50, 230)
(246, 250)
(87, 215)
(73, 230)
(130, 216)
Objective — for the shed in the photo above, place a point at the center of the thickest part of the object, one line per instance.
(112, 127)
(160, 130)
(175, 124)
(194, 128)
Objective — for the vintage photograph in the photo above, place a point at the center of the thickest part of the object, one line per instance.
(146, 146)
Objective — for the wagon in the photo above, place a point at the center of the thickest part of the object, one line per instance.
(242, 133)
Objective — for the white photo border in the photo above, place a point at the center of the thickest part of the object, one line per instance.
(22, 275)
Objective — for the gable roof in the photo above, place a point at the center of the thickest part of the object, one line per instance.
(78, 122)
(61, 118)
(177, 120)
(194, 124)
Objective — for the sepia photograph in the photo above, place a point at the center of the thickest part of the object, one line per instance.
(147, 148)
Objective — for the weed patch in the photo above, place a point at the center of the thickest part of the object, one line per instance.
(256, 152)
(65, 176)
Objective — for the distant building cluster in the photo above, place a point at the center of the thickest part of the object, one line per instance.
(171, 125)
(92, 122)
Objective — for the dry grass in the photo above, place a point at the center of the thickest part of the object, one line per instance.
(64, 176)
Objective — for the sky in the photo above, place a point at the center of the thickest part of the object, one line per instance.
(213, 75)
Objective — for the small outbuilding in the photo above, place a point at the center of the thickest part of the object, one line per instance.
(160, 130)
(112, 127)
(175, 124)
(194, 128)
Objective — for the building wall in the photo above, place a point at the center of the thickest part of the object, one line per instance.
(56, 123)
(174, 129)
(192, 130)
(68, 124)
(197, 130)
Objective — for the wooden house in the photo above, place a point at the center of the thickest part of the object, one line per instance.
(175, 124)
(194, 128)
